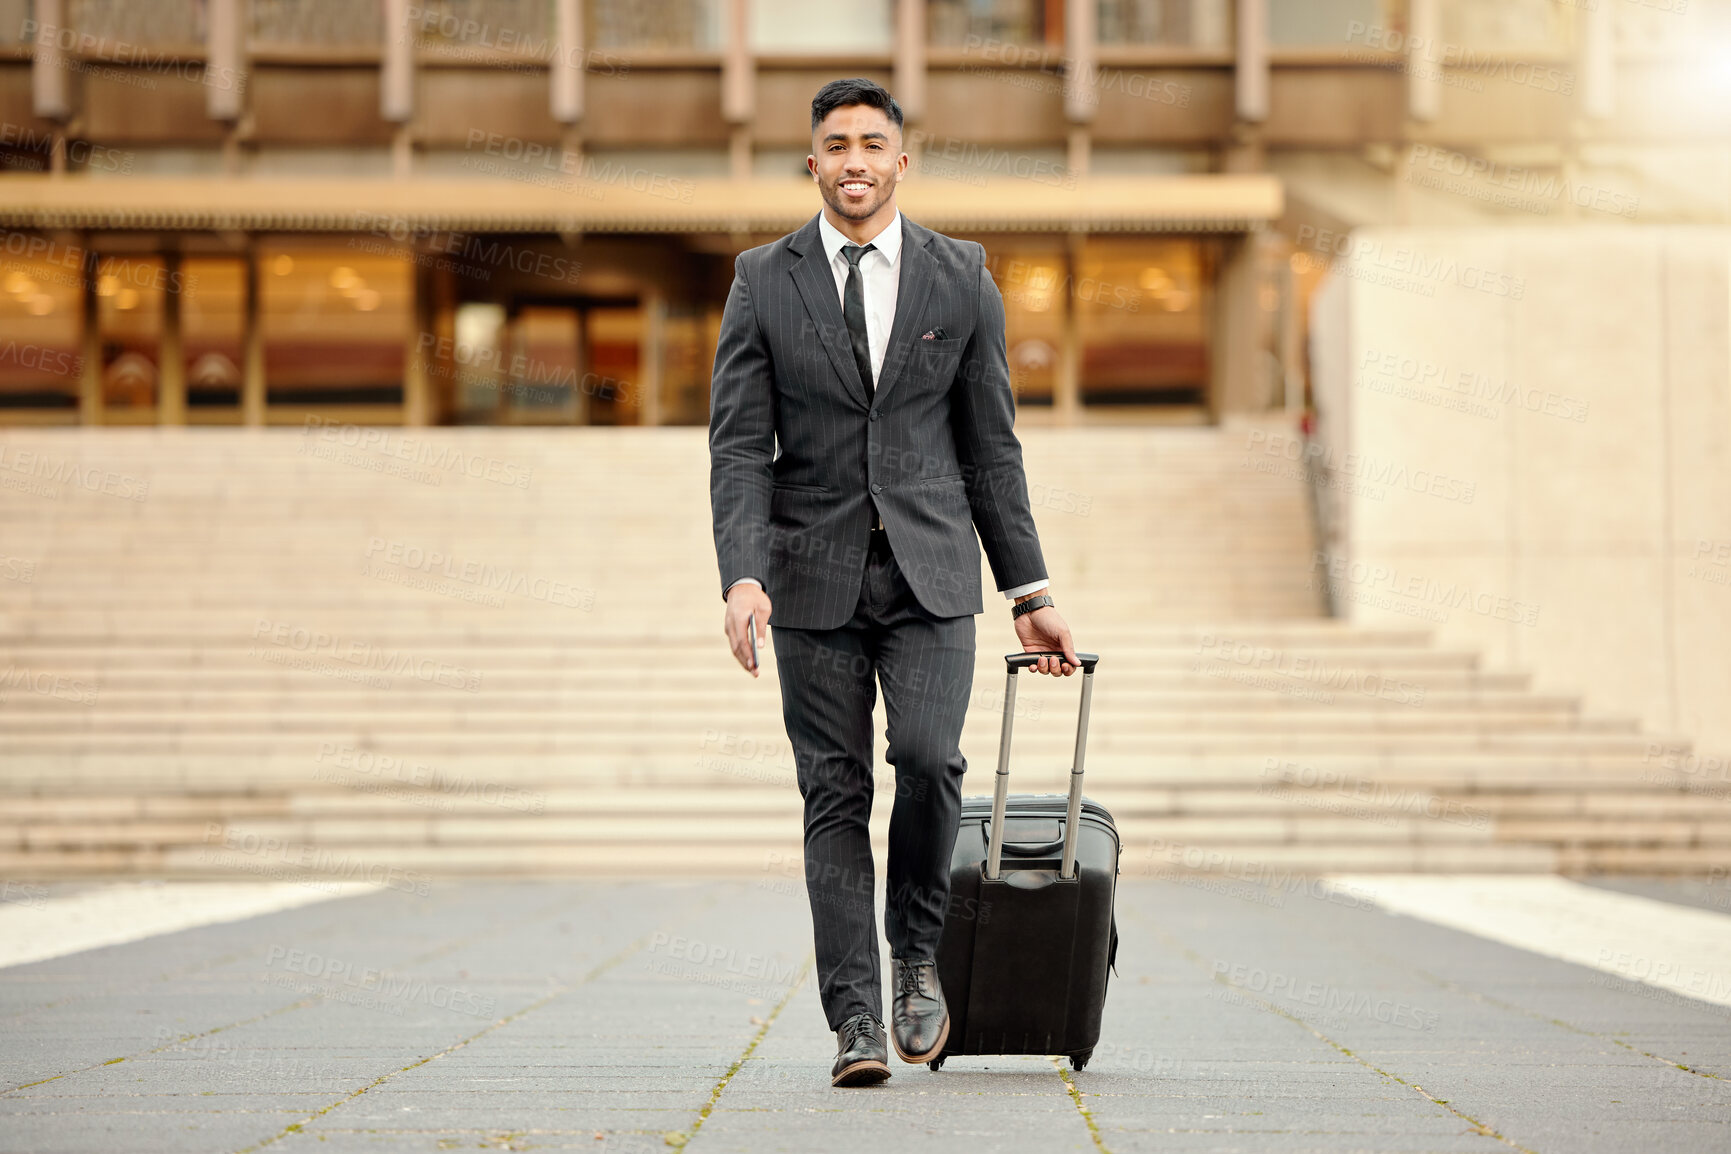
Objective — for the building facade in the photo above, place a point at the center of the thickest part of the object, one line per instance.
(525, 211)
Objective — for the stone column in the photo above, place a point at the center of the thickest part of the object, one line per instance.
(1234, 349)
(1423, 62)
(909, 74)
(417, 396)
(224, 67)
(252, 382)
(567, 68)
(738, 84)
(652, 357)
(1067, 381)
(1250, 75)
(171, 355)
(48, 88)
(90, 342)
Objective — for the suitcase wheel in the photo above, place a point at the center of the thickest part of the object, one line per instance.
(1078, 1061)
(936, 1064)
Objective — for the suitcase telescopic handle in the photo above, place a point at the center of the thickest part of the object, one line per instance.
(1017, 661)
(1013, 664)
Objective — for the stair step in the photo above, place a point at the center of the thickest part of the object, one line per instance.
(169, 707)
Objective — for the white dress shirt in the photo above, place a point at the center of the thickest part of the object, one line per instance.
(882, 270)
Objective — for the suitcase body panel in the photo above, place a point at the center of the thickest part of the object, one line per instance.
(1025, 955)
(1025, 958)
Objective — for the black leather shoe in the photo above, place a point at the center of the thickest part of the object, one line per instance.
(861, 1057)
(919, 1019)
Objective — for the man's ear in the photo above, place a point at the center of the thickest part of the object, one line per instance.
(811, 165)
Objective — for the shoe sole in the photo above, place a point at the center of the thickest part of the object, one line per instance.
(868, 1072)
(937, 1047)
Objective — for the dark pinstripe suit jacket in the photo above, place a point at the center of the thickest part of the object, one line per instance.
(797, 454)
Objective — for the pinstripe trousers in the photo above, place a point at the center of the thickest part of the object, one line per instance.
(829, 681)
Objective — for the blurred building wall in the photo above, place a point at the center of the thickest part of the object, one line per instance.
(1524, 441)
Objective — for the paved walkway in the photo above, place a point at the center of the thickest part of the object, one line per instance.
(545, 1015)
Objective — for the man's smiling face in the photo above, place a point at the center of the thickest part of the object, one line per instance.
(857, 160)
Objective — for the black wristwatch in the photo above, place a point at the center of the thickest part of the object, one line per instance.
(1038, 601)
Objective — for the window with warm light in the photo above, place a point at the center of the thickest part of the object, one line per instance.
(543, 366)
(1144, 325)
(40, 363)
(1030, 276)
(336, 324)
(129, 292)
(212, 325)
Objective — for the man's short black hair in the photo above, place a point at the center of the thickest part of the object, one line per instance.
(841, 93)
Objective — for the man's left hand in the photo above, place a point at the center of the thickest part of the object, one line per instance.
(1044, 629)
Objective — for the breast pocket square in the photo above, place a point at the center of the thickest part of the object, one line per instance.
(937, 334)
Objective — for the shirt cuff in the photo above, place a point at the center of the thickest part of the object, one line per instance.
(742, 581)
(1030, 587)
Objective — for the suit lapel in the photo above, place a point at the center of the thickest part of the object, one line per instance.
(919, 270)
(816, 285)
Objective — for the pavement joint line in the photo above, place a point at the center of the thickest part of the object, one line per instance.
(1081, 1107)
(1557, 917)
(595, 972)
(1493, 1000)
(482, 1131)
(301, 1004)
(1490, 999)
(679, 1139)
(1202, 963)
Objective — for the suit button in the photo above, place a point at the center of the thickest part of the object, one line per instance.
(874, 414)
(877, 488)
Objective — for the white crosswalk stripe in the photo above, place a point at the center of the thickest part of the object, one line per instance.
(51, 927)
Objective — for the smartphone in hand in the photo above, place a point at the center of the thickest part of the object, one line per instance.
(751, 637)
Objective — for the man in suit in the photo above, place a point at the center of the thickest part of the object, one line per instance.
(859, 434)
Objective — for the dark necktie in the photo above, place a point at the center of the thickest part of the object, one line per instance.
(853, 311)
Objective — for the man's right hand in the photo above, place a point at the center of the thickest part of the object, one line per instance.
(743, 600)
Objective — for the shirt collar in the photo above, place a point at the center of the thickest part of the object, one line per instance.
(888, 242)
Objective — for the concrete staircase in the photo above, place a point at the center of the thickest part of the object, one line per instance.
(343, 652)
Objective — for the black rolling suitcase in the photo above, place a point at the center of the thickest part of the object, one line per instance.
(1030, 935)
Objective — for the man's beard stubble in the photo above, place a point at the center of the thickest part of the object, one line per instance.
(832, 197)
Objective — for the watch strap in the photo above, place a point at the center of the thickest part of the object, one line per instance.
(1038, 601)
